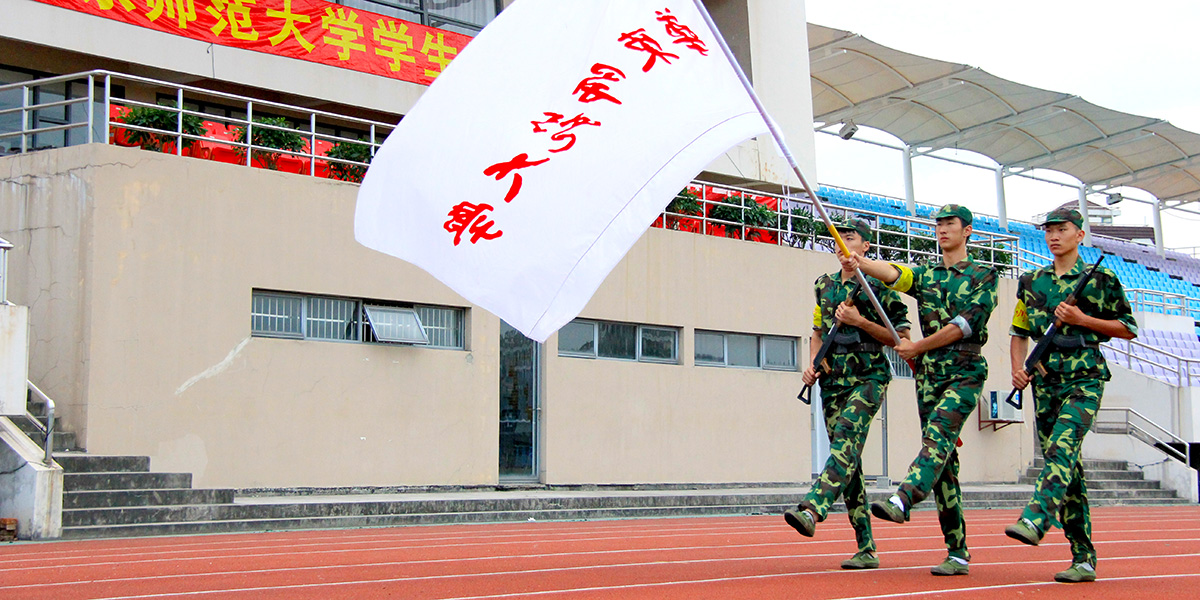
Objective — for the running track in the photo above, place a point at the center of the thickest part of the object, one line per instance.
(1147, 552)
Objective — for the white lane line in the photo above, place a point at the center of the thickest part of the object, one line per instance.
(173, 557)
(1099, 581)
(646, 585)
(327, 568)
(489, 532)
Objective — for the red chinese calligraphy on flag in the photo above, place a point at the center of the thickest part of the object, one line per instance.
(549, 146)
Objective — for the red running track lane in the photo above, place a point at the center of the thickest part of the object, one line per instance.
(1149, 551)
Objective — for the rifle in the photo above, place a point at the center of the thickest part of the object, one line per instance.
(1034, 362)
(819, 360)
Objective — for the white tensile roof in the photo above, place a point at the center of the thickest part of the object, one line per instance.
(932, 104)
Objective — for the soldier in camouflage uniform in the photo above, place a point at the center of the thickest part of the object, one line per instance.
(1068, 394)
(852, 391)
(955, 297)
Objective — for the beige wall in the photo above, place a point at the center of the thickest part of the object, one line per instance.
(138, 269)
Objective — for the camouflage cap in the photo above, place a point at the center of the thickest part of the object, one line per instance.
(955, 210)
(1064, 215)
(858, 226)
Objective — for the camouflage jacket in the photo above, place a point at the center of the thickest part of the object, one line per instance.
(1040, 291)
(832, 291)
(963, 294)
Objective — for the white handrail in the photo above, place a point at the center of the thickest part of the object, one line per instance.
(48, 429)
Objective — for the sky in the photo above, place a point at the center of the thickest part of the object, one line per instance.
(1135, 57)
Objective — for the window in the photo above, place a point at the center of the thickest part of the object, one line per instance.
(619, 341)
(779, 353)
(460, 16)
(660, 344)
(710, 348)
(299, 316)
(331, 319)
(397, 325)
(717, 349)
(277, 316)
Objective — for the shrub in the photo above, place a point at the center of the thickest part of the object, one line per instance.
(163, 120)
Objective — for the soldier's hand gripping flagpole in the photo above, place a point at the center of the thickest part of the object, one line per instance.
(791, 160)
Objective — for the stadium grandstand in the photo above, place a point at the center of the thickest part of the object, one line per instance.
(179, 241)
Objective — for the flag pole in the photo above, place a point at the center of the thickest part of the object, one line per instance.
(791, 160)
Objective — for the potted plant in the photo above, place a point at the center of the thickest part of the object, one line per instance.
(686, 202)
(728, 212)
(167, 121)
(349, 151)
(269, 137)
(760, 219)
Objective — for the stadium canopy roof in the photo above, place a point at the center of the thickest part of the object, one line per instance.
(931, 104)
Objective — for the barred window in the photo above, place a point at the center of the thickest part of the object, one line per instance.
(444, 326)
(301, 316)
(277, 315)
(331, 319)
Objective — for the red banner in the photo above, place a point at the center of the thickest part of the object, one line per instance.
(309, 30)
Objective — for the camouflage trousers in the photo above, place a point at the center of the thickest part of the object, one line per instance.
(849, 410)
(948, 389)
(1064, 414)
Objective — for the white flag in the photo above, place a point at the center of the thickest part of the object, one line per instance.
(547, 148)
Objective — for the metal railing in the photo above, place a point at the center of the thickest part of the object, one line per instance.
(1178, 369)
(1127, 421)
(741, 213)
(48, 428)
(99, 115)
(1158, 301)
(4, 248)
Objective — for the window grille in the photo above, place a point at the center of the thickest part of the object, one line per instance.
(331, 319)
(444, 326)
(277, 315)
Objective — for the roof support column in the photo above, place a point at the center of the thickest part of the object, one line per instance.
(1001, 200)
(1083, 211)
(1158, 234)
(909, 194)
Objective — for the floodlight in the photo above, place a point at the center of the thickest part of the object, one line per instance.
(848, 130)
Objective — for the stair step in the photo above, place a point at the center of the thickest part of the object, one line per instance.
(75, 482)
(89, 463)
(125, 498)
(223, 521)
(1106, 484)
(1094, 475)
(1091, 465)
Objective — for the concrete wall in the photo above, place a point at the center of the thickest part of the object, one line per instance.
(150, 260)
(30, 491)
(14, 358)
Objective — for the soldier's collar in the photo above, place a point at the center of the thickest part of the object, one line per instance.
(959, 266)
(1076, 270)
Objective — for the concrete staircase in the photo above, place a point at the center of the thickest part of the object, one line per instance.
(118, 496)
(1113, 482)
